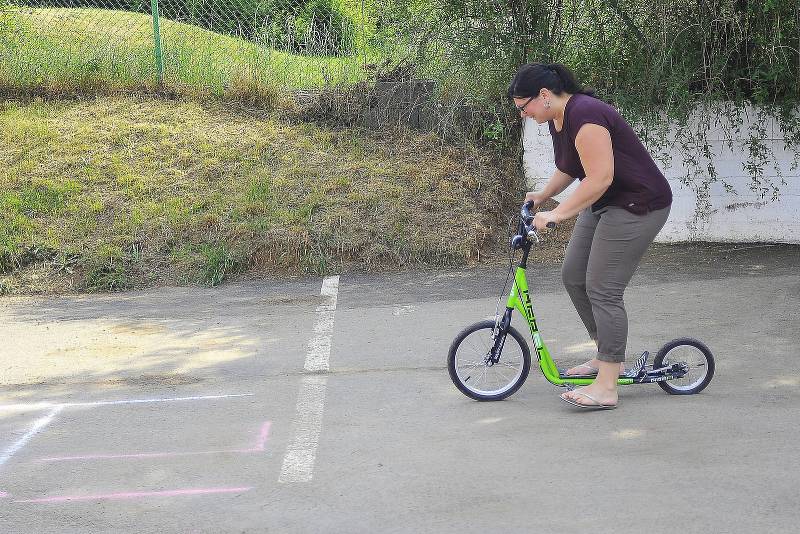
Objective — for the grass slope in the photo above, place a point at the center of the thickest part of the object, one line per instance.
(122, 192)
(63, 50)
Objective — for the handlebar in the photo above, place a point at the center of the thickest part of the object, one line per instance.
(527, 229)
(525, 212)
(527, 218)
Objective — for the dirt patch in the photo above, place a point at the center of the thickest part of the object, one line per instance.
(137, 328)
(154, 380)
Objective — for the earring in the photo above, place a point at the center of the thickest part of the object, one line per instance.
(546, 104)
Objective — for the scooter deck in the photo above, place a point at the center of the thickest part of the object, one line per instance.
(563, 375)
(636, 371)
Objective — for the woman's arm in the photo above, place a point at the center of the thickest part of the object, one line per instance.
(593, 143)
(556, 184)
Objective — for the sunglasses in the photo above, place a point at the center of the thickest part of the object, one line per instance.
(521, 108)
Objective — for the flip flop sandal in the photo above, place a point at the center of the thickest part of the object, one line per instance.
(596, 406)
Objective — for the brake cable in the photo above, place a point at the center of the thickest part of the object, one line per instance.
(511, 254)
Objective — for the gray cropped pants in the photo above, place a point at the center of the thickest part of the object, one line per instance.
(603, 253)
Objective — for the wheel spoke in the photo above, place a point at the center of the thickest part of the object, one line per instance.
(503, 376)
(477, 350)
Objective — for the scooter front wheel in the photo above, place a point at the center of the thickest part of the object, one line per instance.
(694, 358)
(472, 366)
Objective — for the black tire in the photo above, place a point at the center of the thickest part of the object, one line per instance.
(463, 350)
(676, 351)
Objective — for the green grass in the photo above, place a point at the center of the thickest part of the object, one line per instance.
(78, 50)
(122, 192)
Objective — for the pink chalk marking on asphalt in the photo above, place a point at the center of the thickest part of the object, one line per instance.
(135, 495)
(3, 494)
(263, 437)
(259, 447)
(140, 455)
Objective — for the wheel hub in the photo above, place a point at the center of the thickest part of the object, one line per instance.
(679, 369)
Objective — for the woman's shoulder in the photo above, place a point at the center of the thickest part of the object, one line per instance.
(589, 104)
(587, 109)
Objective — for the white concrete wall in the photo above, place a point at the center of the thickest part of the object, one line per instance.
(743, 216)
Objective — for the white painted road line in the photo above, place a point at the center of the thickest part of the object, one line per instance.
(135, 495)
(38, 426)
(146, 401)
(298, 463)
(32, 406)
(319, 348)
(44, 405)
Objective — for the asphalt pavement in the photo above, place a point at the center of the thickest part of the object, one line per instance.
(323, 405)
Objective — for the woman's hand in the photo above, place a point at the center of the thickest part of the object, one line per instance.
(542, 218)
(536, 198)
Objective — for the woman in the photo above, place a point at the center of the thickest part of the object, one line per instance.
(622, 202)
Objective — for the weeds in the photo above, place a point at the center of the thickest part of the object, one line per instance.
(218, 262)
(108, 277)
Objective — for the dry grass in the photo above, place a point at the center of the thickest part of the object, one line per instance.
(120, 192)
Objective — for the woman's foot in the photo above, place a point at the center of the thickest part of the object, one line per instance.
(590, 368)
(593, 396)
(602, 393)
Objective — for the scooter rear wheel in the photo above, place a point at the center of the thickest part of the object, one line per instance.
(697, 359)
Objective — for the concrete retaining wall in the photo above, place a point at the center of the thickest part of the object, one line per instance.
(743, 216)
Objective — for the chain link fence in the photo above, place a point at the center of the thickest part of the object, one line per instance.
(438, 65)
(209, 45)
(253, 50)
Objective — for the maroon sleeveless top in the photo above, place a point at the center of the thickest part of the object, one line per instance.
(638, 185)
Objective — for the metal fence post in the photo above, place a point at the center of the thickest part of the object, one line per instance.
(157, 43)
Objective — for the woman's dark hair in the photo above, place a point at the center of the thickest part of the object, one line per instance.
(532, 77)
